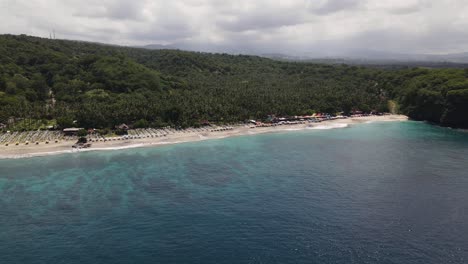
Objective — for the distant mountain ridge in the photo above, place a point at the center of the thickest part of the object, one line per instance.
(352, 56)
(157, 47)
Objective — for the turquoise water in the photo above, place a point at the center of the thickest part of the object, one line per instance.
(372, 193)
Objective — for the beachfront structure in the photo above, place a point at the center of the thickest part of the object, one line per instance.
(122, 127)
(73, 131)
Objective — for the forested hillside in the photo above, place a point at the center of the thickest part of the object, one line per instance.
(100, 86)
(438, 95)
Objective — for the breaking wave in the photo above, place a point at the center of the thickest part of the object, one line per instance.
(331, 126)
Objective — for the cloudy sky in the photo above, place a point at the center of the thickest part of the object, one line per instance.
(405, 26)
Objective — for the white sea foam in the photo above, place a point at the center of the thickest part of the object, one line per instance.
(292, 129)
(114, 148)
(38, 154)
(330, 126)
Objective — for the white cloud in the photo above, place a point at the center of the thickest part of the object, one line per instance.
(262, 25)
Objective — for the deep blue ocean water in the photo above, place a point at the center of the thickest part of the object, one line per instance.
(372, 193)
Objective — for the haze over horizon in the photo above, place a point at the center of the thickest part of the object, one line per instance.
(324, 27)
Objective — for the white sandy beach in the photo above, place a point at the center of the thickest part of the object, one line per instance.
(24, 151)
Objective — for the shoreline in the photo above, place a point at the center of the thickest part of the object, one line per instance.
(18, 152)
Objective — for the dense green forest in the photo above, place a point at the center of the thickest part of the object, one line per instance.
(45, 81)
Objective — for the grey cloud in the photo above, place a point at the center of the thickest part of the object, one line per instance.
(118, 10)
(126, 10)
(405, 10)
(260, 26)
(333, 6)
(262, 20)
(417, 7)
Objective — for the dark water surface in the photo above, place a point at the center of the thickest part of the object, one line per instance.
(373, 193)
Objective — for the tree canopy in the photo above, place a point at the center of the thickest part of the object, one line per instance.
(101, 86)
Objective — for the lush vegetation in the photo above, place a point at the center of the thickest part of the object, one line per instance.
(101, 86)
(438, 95)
